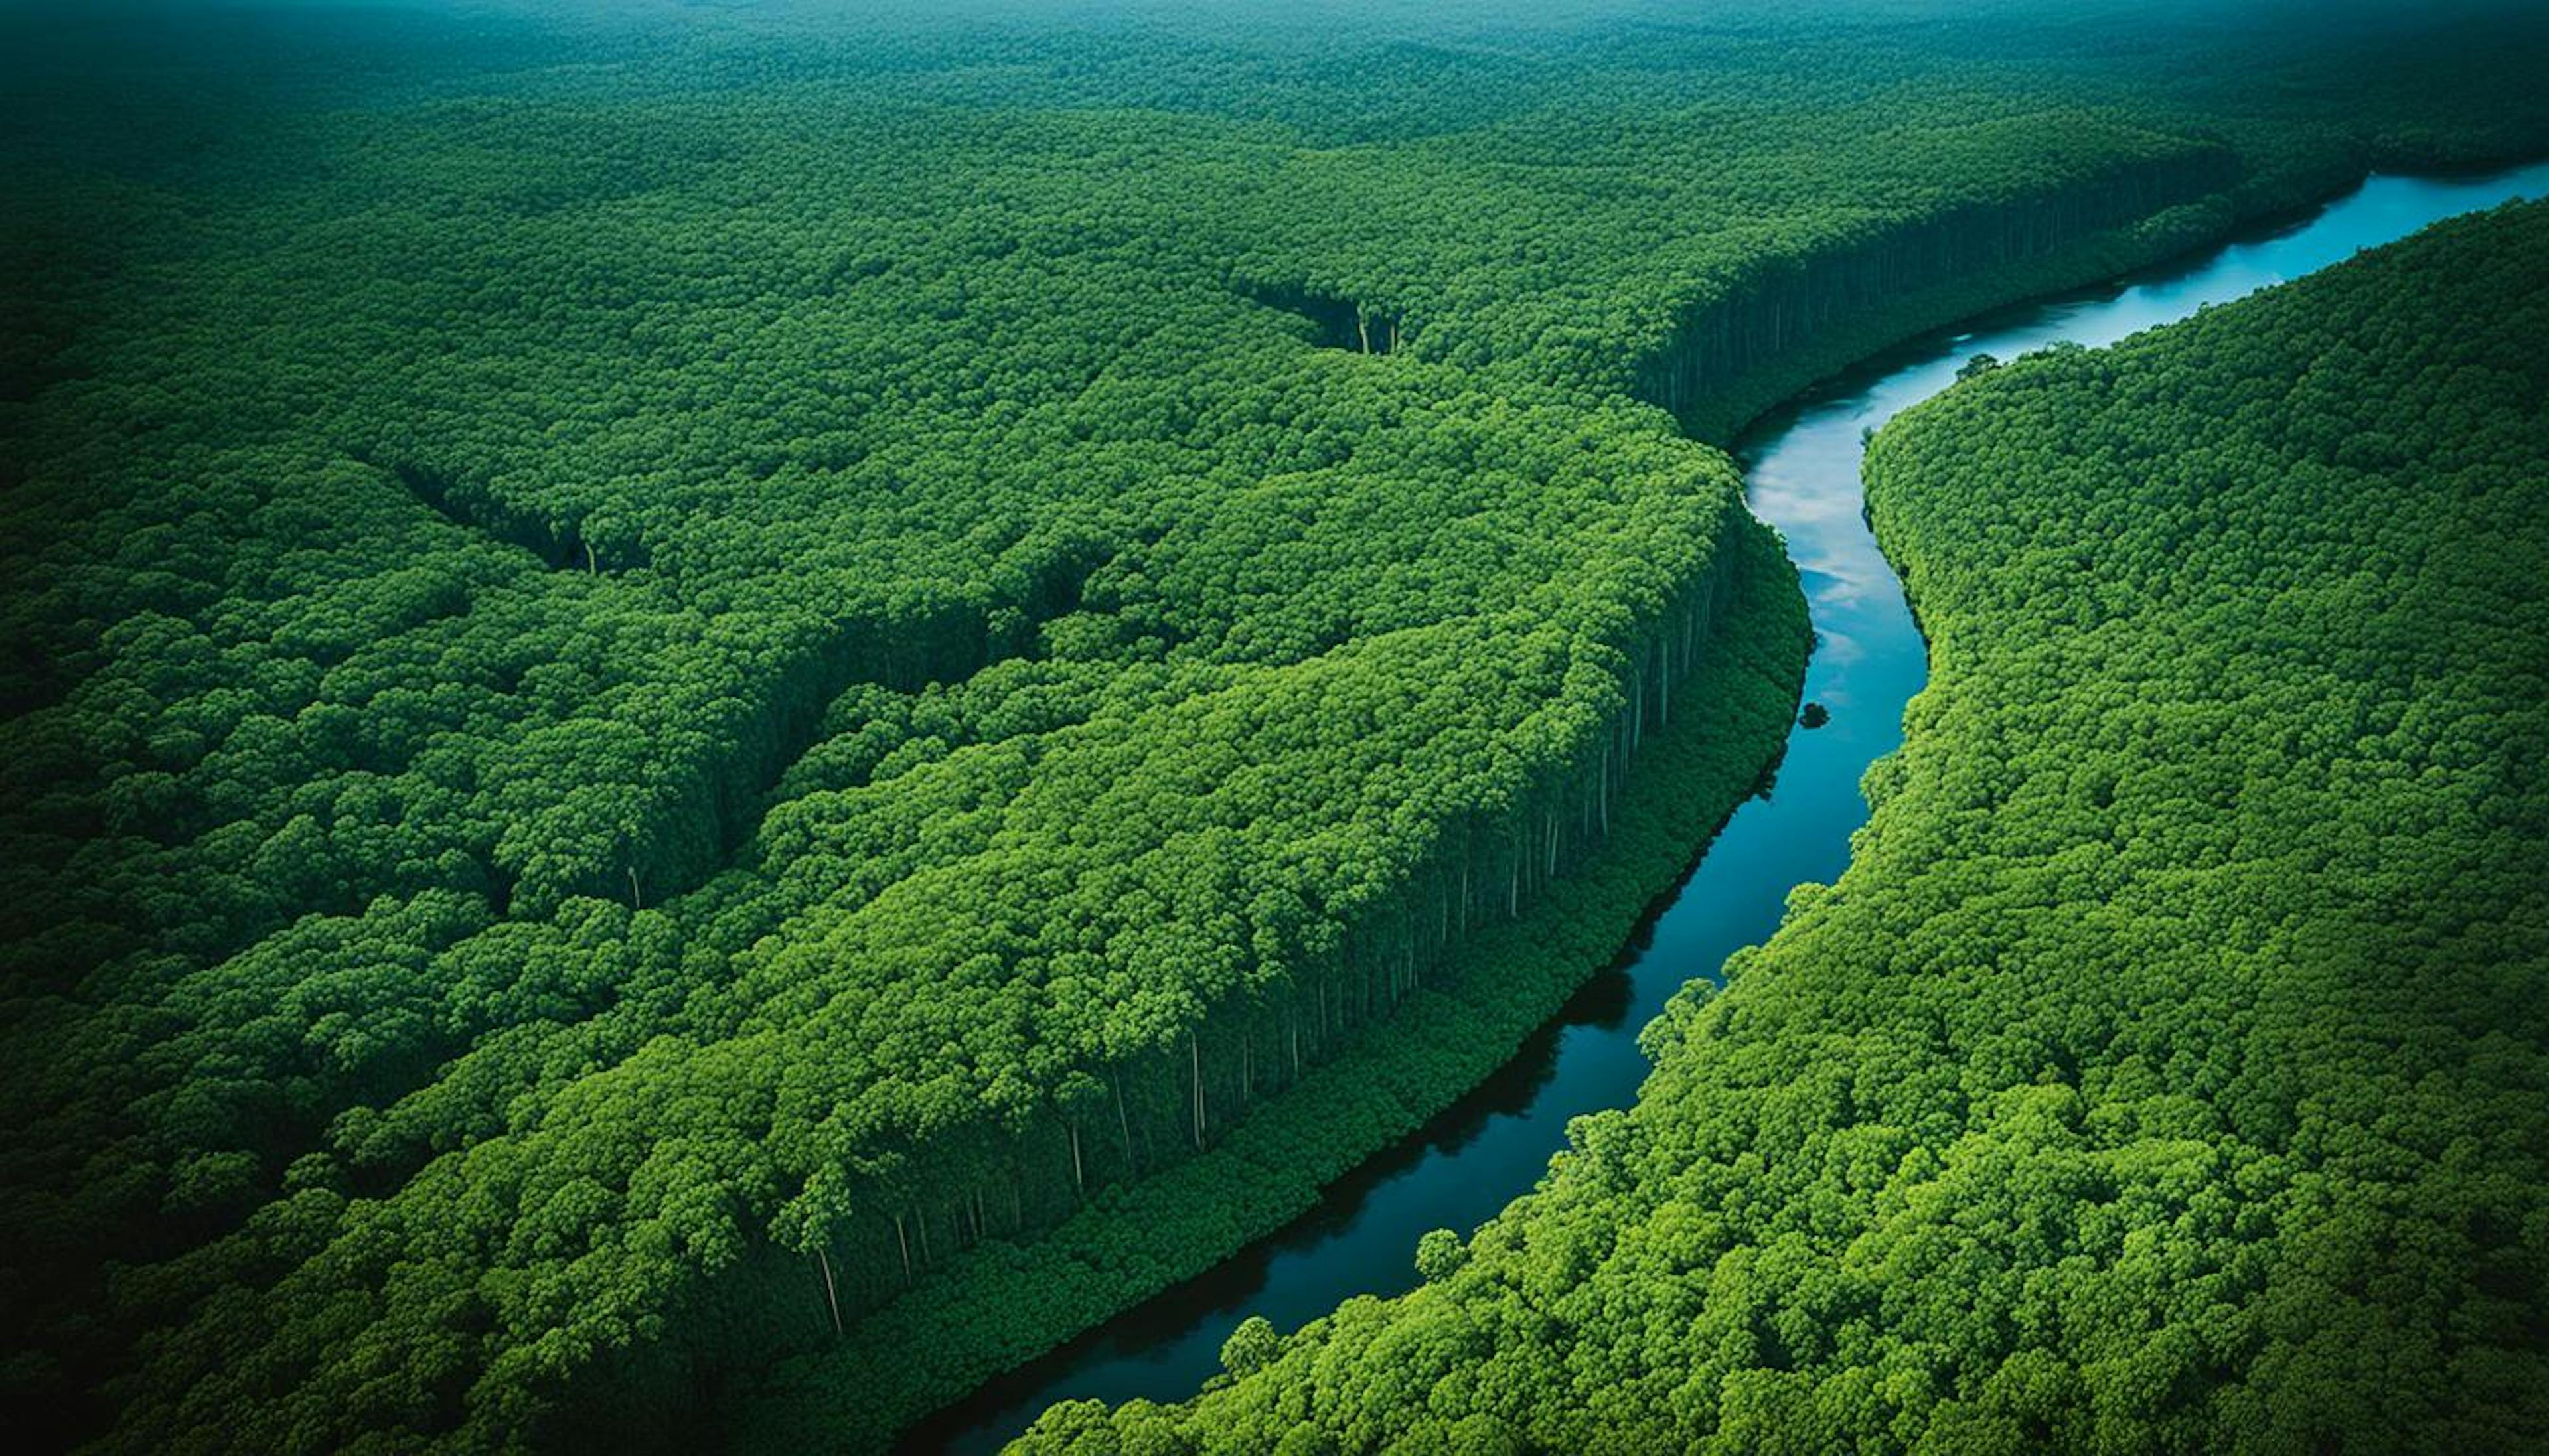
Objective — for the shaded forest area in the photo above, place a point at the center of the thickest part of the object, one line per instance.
(684, 691)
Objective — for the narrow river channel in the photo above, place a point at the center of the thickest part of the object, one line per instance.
(1801, 465)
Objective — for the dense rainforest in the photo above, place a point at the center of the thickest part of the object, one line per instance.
(702, 700)
(2170, 1069)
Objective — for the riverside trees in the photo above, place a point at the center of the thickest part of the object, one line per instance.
(2166, 1071)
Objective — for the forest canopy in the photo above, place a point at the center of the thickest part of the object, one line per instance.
(678, 684)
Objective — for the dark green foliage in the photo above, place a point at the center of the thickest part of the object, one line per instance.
(669, 680)
(997, 1305)
(2169, 1072)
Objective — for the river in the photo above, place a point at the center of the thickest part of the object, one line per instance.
(1801, 467)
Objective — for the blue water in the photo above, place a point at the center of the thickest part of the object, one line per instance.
(1800, 469)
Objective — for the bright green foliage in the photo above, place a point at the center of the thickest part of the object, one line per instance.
(667, 679)
(2169, 1072)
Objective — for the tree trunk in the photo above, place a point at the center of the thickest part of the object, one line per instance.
(1606, 792)
(1195, 1064)
(1124, 1123)
(830, 1296)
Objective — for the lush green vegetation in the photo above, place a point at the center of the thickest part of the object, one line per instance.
(2170, 1069)
(667, 680)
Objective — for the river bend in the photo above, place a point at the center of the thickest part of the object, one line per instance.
(1801, 465)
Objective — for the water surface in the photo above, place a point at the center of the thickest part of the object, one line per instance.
(1801, 465)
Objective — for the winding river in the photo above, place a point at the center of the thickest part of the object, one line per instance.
(1801, 465)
